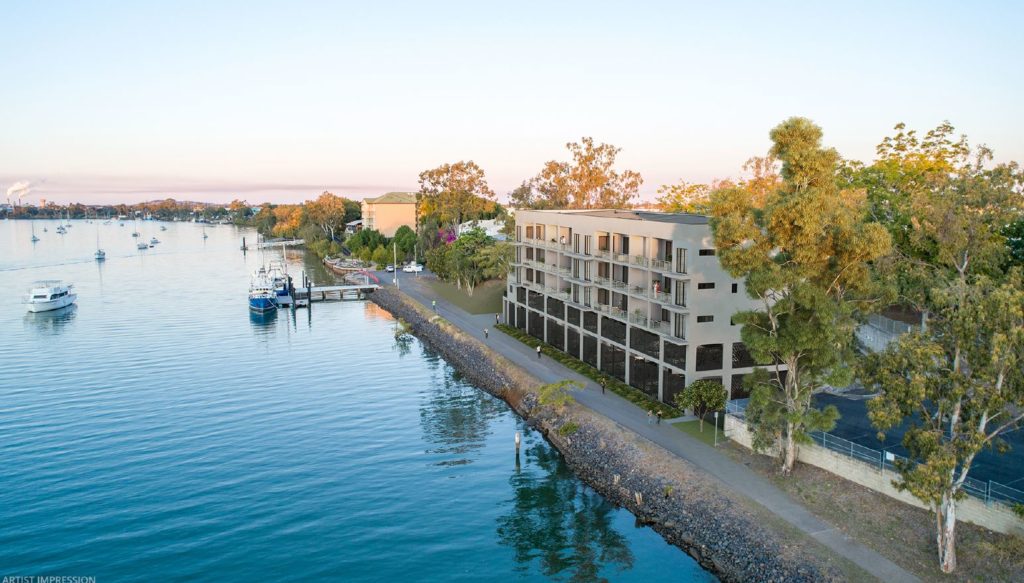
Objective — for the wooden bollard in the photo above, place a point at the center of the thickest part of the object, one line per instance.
(518, 440)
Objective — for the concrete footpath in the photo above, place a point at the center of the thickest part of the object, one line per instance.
(732, 475)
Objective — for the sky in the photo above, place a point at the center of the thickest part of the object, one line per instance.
(278, 101)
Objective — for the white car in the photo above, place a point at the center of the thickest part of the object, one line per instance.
(413, 268)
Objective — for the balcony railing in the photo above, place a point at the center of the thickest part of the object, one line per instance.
(621, 258)
(661, 265)
(602, 280)
(659, 296)
(638, 319)
(611, 311)
(639, 260)
(619, 284)
(602, 254)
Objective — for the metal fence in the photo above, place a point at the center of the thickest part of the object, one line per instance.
(986, 491)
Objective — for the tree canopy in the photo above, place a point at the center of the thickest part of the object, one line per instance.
(454, 193)
(589, 180)
(805, 258)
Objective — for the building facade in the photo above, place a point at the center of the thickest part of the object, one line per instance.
(639, 295)
(389, 212)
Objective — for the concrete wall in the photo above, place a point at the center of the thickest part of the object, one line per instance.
(995, 516)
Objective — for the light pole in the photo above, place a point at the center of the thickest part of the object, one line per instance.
(716, 428)
(394, 264)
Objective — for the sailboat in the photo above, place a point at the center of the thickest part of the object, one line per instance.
(204, 233)
(100, 254)
(34, 238)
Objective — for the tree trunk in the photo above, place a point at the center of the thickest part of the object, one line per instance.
(789, 450)
(946, 523)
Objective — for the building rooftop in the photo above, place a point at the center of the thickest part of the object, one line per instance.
(636, 215)
(393, 198)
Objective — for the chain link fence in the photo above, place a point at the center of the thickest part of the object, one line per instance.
(986, 491)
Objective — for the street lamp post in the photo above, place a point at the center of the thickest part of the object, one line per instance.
(716, 428)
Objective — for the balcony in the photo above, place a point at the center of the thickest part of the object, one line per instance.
(639, 260)
(611, 311)
(621, 285)
(659, 296)
(602, 254)
(661, 265)
(620, 258)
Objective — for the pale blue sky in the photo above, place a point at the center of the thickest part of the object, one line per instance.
(108, 101)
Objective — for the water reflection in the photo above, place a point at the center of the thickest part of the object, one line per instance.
(557, 522)
(455, 418)
(52, 322)
(263, 324)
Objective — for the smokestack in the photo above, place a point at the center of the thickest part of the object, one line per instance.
(19, 189)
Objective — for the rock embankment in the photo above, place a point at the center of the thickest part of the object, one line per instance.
(726, 534)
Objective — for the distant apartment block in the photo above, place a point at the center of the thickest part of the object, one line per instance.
(389, 212)
(639, 295)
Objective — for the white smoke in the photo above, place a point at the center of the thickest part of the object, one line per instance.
(19, 189)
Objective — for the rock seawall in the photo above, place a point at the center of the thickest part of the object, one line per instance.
(683, 504)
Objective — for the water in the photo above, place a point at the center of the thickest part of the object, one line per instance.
(157, 430)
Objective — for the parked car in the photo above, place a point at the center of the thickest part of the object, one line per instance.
(389, 268)
(413, 268)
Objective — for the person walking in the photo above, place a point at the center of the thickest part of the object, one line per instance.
(497, 319)
(604, 384)
(485, 333)
(538, 352)
(659, 416)
(433, 304)
(650, 416)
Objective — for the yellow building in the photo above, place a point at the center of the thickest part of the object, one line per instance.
(387, 213)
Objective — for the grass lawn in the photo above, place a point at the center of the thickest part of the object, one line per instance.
(692, 428)
(486, 298)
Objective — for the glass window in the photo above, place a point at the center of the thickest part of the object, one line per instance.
(706, 252)
(741, 357)
(705, 319)
(706, 285)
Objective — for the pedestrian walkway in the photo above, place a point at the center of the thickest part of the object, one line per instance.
(732, 475)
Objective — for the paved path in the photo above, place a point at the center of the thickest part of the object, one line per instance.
(731, 474)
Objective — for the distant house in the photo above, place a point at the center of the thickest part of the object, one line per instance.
(491, 227)
(389, 212)
(354, 226)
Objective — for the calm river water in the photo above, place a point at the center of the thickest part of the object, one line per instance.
(158, 431)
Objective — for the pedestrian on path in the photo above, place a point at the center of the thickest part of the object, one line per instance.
(650, 416)
(485, 333)
(433, 304)
(604, 384)
(538, 352)
(497, 319)
(659, 416)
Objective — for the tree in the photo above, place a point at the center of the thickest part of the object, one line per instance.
(454, 193)
(287, 220)
(465, 262)
(496, 259)
(366, 239)
(959, 380)
(328, 213)
(961, 384)
(382, 256)
(703, 396)
(684, 197)
(805, 258)
(588, 181)
(405, 240)
(240, 211)
(558, 394)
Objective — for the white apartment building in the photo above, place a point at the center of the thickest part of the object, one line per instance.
(639, 295)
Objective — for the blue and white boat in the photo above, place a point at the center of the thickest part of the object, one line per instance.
(261, 292)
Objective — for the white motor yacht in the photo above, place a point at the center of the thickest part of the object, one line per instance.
(49, 295)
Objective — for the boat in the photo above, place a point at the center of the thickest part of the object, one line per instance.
(204, 233)
(48, 295)
(100, 254)
(163, 228)
(261, 292)
(34, 238)
(154, 241)
(142, 245)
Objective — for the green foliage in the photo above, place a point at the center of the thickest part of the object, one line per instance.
(324, 248)
(703, 396)
(631, 394)
(806, 257)
(454, 193)
(684, 197)
(588, 181)
(469, 260)
(961, 386)
(405, 239)
(568, 428)
(365, 239)
(557, 394)
(382, 256)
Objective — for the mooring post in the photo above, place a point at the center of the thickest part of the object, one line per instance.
(519, 439)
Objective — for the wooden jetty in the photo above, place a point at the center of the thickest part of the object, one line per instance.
(302, 296)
